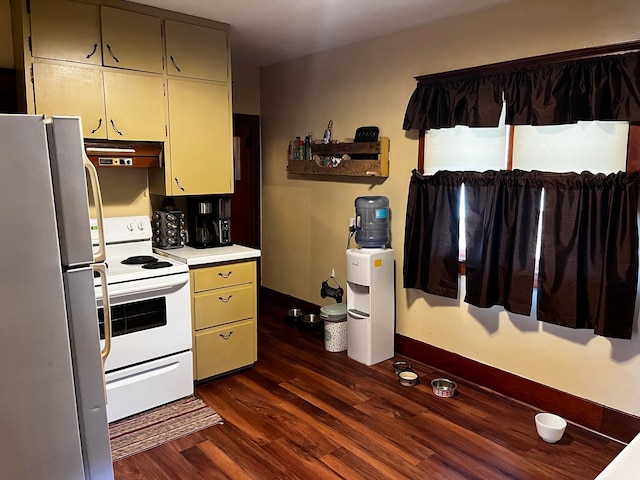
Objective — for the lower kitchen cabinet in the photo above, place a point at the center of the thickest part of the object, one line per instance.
(224, 312)
(226, 348)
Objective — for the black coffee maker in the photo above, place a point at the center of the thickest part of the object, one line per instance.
(208, 221)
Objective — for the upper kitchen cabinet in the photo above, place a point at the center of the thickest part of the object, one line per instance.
(201, 160)
(131, 40)
(194, 51)
(113, 105)
(96, 35)
(71, 90)
(66, 30)
(135, 106)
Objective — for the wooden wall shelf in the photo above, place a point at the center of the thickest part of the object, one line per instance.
(376, 166)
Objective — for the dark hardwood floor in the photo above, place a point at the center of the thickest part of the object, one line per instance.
(305, 413)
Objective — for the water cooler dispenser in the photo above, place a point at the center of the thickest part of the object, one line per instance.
(370, 286)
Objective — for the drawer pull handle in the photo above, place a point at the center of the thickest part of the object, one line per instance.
(225, 275)
(99, 125)
(226, 337)
(112, 54)
(174, 63)
(225, 300)
(115, 129)
(95, 48)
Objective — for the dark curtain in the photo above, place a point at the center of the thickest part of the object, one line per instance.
(601, 88)
(475, 101)
(588, 270)
(501, 210)
(432, 232)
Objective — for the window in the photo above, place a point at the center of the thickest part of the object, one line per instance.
(588, 267)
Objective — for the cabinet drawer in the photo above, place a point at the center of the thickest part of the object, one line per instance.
(221, 276)
(223, 306)
(222, 349)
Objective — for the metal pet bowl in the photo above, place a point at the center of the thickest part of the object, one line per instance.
(443, 387)
(401, 365)
(294, 315)
(310, 321)
(408, 378)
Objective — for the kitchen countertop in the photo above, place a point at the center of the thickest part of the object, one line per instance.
(203, 256)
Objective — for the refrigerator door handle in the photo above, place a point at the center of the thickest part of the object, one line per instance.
(100, 255)
(102, 270)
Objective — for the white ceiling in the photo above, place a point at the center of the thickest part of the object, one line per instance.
(264, 32)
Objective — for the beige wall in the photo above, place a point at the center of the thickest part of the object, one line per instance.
(305, 219)
(245, 88)
(6, 44)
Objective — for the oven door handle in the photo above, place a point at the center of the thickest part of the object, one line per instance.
(157, 285)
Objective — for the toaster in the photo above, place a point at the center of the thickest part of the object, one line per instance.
(168, 229)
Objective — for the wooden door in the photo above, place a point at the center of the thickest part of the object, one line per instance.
(200, 131)
(71, 90)
(245, 201)
(196, 52)
(136, 107)
(64, 30)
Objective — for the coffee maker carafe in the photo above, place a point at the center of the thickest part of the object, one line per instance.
(209, 222)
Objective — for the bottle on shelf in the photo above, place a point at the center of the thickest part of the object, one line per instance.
(326, 138)
(300, 148)
(294, 148)
(307, 147)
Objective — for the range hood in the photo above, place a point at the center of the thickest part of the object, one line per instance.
(125, 154)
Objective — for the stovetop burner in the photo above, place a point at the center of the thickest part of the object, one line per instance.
(128, 249)
(158, 264)
(139, 260)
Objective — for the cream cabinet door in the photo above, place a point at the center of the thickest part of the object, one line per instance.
(135, 105)
(200, 132)
(131, 40)
(70, 90)
(196, 52)
(65, 30)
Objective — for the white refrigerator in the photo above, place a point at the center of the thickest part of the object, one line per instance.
(53, 421)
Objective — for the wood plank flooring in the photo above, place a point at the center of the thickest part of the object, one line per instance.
(305, 413)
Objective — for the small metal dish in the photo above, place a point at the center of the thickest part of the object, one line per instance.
(310, 321)
(443, 387)
(408, 378)
(293, 315)
(401, 366)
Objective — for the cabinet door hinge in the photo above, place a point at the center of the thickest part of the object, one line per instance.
(166, 131)
(30, 46)
(28, 7)
(31, 73)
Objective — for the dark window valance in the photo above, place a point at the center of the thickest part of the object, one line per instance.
(599, 88)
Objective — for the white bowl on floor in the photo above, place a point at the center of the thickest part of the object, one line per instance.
(550, 427)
